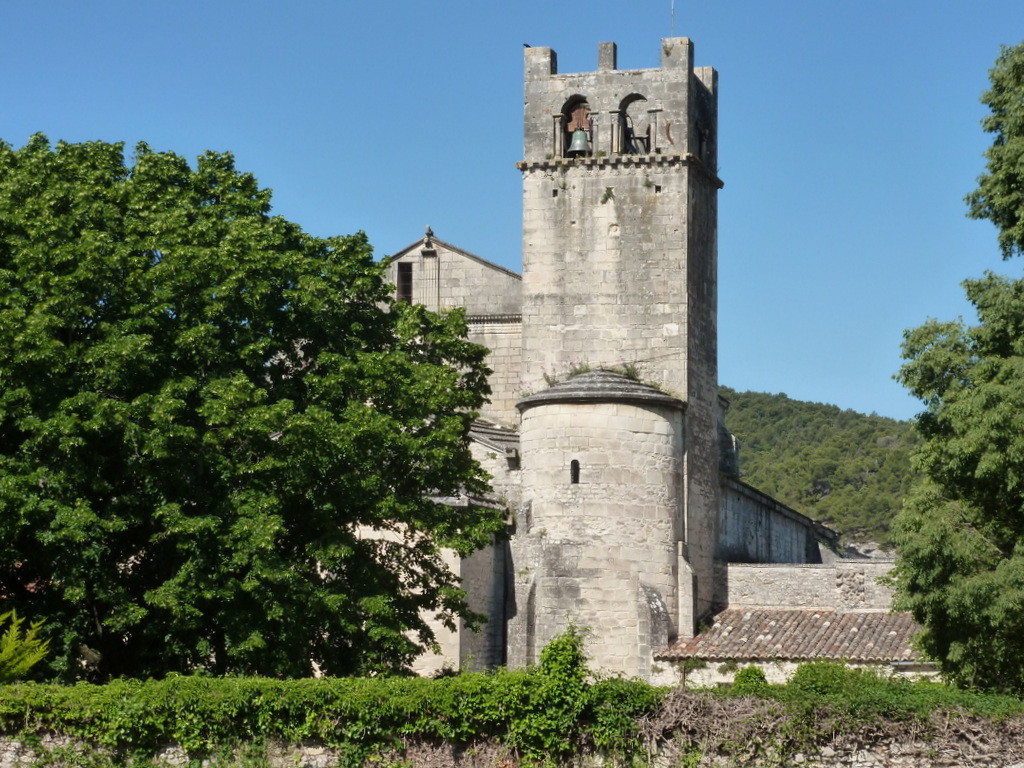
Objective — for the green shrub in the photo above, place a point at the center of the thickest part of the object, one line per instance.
(614, 706)
(860, 694)
(19, 650)
(750, 681)
(825, 678)
(549, 725)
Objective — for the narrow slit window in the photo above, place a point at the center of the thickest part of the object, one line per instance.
(404, 292)
(574, 472)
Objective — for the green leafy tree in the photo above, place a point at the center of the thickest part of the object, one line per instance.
(961, 567)
(1000, 193)
(221, 443)
(961, 533)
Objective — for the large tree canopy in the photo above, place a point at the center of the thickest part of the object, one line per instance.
(219, 437)
(961, 533)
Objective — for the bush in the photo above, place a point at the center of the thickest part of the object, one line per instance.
(750, 681)
(824, 678)
(543, 714)
(550, 725)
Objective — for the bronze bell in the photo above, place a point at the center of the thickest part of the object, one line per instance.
(580, 144)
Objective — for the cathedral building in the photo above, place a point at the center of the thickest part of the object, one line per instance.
(605, 433)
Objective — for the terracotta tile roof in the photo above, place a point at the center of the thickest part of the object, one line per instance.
(800, 635)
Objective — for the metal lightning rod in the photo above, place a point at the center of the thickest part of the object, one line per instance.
(673, 18)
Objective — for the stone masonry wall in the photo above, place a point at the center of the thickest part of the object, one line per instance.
(503, 336)
(755, 528)
(603, 266)
(605, 238)
(964, 742)
(444, 277)
(778, 672)
(484, 576)
(702, 461)
(843, 585)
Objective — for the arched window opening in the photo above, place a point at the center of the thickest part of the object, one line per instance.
(574, 472)
(577, 128)
(634, 129)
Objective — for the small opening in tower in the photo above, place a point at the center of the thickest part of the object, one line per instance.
(657, 188)
(404, 292)
(554, 192)
(574, 472)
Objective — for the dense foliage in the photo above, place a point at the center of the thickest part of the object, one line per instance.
(204, 412)
(960, 537)
(961, 570)
(848, 470)
(543, 714)
(546, 715)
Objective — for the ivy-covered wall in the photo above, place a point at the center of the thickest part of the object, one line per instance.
(556, 714)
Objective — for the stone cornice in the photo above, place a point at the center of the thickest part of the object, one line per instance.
(621, 161)
(507, 318)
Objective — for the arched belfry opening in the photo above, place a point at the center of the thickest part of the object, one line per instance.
(577, 128)
(633, 135)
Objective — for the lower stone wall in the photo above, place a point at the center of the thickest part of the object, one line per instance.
(776, 672)
(757, 732)
(954, 742)
(892, 753)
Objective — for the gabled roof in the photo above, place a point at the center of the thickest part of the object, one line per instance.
(800, 635)
(430, 239)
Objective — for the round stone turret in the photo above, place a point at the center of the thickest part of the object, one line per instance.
(602, 475)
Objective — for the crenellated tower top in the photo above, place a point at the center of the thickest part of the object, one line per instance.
(615, 114)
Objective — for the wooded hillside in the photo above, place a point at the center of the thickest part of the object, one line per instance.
(847, 469)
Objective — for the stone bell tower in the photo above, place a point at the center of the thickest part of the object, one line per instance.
(620, 472)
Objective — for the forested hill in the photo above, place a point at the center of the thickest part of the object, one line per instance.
(846, 469)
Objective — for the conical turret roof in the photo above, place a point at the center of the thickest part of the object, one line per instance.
(601, 387)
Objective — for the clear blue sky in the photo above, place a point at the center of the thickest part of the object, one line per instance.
(849, 134)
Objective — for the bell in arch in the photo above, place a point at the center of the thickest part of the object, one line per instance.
(580, 144)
